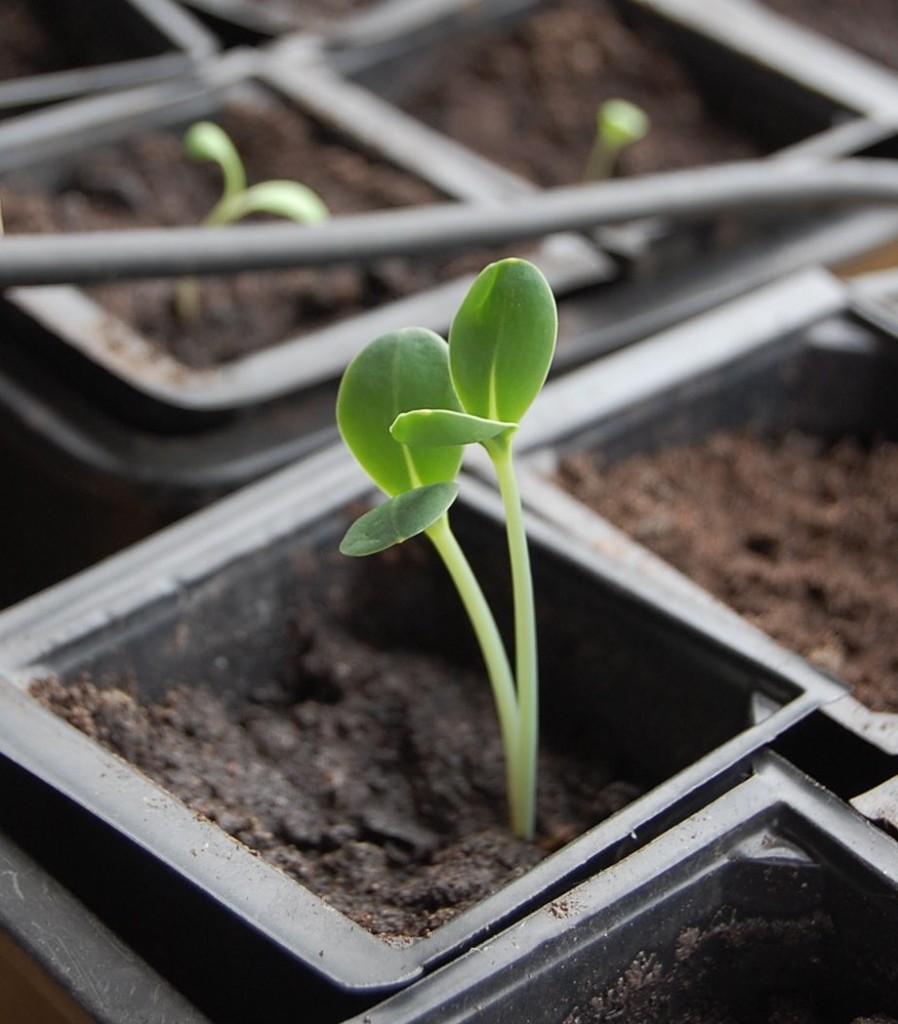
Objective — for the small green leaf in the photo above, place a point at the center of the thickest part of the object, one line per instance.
(287, 199)
(502, 340)
(397, 519)
(206, 141)
(430, 428)
(621, 123)
(398, 372)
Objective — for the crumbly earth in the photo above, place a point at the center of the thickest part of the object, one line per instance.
(738, 970)
(801, 538)
(375, 777)
(528, 99)
(147, 181)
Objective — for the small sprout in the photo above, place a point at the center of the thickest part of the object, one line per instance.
(619, 124)
(407, 406)
(288, 199)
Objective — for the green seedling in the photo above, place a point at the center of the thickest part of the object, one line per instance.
(408, 404)
(205, 141)
(287, 199)
(619, 124)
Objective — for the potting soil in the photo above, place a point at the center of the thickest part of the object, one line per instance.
(798, 536)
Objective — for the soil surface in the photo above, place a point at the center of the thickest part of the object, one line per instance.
(373, 775)
(726, 974)
(870, 27)
(149, 182)
(800, 538)
(528, 99)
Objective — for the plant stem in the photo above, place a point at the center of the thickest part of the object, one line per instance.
(497, 666)
(601, 161)
(526, 661)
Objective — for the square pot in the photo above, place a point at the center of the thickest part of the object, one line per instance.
(216, 598)
(774, 902)
(140, 41)
(75, 498)
(156, 386)
(58, 962)
(855, 45)
(501, 101)
(347, 23)
(802, 354)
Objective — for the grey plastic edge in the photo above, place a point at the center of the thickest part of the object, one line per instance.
(473, 984)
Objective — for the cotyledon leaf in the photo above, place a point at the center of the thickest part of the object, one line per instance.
(429, 428)
(397, 519)
(398, 372)
(502, 340)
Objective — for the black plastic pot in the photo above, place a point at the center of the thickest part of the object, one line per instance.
(822, 62)
(742, 71)
(175, 606)
(126, 371)
(178, 398)
(774, 899)
(295, 68)
(808, 353)
(154, 40)
(76, 498)
(57, 961)
(376, 23)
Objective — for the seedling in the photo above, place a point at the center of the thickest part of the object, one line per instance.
(619, 124)
(288, 199)
(407, 406)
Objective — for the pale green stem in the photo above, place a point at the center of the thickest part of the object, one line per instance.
(220, 214)
(602, 158)
(526, 662)
(187, 289)
(233, 174)
(497, 666)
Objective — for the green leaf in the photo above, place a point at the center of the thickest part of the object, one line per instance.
(502, 340)
(397, 519)
(206, 141)
(621, 123)
(428, 428)
(398, 372)
(287, 199)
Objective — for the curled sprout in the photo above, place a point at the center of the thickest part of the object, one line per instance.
(407, 406)
(288, 199)
(619, 124)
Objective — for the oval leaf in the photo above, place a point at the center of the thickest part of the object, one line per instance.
(428, 428)
(287, 199)
(621, 123)
(502, 340)
(396, 520)
(396, 373)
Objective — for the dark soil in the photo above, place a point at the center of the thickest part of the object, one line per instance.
(149, 182)
(43, 36)
(870, 27)
(528, 100)
(800, 538)
(726, 974)
(373, 776)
